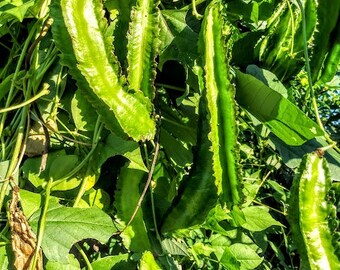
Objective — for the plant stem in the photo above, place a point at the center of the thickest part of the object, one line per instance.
(42, 224)
(83, 254)
(187, 7)
(96, 138)
(146, 185)
(310, 81)
(43, 92)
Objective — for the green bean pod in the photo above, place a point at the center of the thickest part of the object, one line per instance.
(281, 49)
(331, 63)
(143, 46)
(79, 31)
(328, 14)
(309, 213)
(214, 174)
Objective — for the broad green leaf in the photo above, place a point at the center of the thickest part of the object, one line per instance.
(135, 236)
(82, 112)
(174, 247)
(228, 260)
(30, 202)
(178, 37)
(72, 265)
(258, 218)
(148, 262)
(31, 170)
(181, 122)
(282, 117)
(247, 257)
(17, 9)
(99, 198)
(268, 78)
(201, 249)
(251, 186)
(177, 151)
(67, 162)
(79, 30)
(4, 259)
(115, 145)
(116, 262)
(66, 226)
(292, 155)
(221, 244)
(143, 46)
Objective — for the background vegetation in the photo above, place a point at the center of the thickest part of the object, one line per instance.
(103, 142)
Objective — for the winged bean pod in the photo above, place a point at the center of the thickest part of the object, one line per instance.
(309, 212)
(79, 32)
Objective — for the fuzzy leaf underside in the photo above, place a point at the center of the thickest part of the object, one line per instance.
(79, 32)
(143, 46)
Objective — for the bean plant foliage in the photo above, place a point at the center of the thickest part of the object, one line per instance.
(173, 134)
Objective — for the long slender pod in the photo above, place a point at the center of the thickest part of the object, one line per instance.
(214, 173)
(135, 236)
(328, 20)
(281, 49)
(143, 46)
(219, 94)
(309, 214)
(332, 61)
(79, 31)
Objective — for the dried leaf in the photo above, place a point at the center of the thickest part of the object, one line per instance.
(24, 241)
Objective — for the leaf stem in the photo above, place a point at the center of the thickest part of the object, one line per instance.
(42, 223)
(187, 7)
(146, 185)
(43, 92)
(96, 138)
(83, 254)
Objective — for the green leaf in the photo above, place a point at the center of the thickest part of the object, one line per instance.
(72, 265)
(178, 38)
(30, 202)
(67, 162)
(177, 151)
(283, 118)
(258, 218)
(268, 78)
(148, 262)
(135, 236)
(115, 262)
(31, 170)
(99, 198)
(4, 259)
(115, 145)
(247, 257)
(82, 112)
(292, 155)
(174, 247)
(229, 260)
(66, 226)
(17, 9)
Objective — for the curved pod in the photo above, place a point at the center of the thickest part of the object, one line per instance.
(79, 32)
(309, 212)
